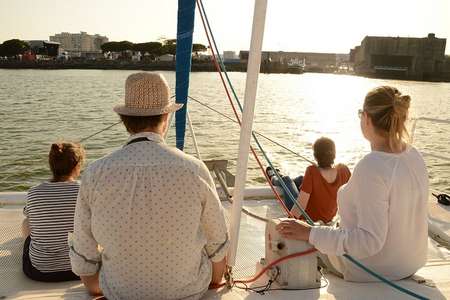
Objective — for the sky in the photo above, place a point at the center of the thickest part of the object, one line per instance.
(291, 25)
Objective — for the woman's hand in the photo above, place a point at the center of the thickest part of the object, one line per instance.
(296, 212)
(294, 230)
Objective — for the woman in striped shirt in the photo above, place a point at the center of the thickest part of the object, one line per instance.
(49, 214)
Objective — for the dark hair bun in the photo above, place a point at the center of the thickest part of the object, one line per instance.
(56, 148)
(63, 158)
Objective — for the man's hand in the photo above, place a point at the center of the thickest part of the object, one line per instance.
(218, 268)
(294, 230)
(92, 284)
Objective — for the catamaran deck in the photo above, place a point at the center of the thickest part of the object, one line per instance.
(14, 285)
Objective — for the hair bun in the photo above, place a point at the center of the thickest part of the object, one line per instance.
(56, 148)
(404, 100)
(401, 103)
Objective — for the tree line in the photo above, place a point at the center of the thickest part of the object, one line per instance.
(152, 48)
(13, 47)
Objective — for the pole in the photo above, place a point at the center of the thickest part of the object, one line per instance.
(194, 139)
(254, 64)
(185, 30)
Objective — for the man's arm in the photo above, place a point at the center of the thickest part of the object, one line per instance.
(218, 269)
(92, 284)
(214, 226)
(84, 254)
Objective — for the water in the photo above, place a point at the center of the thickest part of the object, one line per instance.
(38, 107)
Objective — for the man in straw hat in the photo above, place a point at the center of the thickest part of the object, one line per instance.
(152, 209)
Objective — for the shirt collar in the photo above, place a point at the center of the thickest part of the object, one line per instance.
(152, 136)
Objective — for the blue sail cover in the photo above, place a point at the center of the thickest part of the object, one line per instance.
(185, 29)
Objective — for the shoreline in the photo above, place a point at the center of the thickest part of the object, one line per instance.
(268, 68)
(145, 66)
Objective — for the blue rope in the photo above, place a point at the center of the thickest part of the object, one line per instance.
(385, 280)
(286, 190)
(255, 138)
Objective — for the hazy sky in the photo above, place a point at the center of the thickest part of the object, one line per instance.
(291, 25)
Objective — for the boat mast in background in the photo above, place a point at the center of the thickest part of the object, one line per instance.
(254, 63)
(185, 29)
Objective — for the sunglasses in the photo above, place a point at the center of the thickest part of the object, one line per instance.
(360, 112)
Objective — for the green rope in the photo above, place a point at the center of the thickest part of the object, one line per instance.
(286, 190)
(223, 68)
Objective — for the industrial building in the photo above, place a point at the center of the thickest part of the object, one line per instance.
(400, 57)
(77, 44)
(319, 62)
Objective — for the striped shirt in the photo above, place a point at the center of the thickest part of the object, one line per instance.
(50, 210)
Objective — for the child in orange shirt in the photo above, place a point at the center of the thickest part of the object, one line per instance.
(319, 186)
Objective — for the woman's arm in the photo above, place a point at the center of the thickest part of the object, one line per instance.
(25, 228)
(368, 194)
(303, 199)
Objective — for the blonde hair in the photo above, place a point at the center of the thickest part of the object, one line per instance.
(388, 110)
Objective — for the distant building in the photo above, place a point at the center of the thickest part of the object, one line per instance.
(203, 57)
(44, 48)
(230, 57)
(312, 61)
(446, 69)
(136, 56)
(414, 58)
(79, 42)
(166, 57)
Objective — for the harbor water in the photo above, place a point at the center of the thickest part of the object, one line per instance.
(38, 107)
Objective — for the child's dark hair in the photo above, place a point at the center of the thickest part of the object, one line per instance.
(324, 152)
(63, 158)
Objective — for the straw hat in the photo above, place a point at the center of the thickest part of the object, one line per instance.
(146, 94)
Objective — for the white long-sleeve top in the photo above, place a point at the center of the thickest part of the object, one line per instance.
(383, 211)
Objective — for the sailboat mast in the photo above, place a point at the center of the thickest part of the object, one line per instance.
(253, 67)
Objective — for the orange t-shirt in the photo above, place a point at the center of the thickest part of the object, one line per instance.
(322, 204)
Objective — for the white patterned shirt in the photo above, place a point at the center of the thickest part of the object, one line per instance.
(155, 213)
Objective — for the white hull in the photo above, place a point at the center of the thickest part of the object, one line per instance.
(438, 221)
(14, 285)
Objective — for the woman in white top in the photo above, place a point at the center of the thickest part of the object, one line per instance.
(383, 208)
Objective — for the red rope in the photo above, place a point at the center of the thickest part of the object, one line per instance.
(274, 263)
(216, 64)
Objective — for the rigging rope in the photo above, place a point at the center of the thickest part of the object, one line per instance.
(98, 132)
(308, 219)
(277, 195)
(254, 131)
(287, 192)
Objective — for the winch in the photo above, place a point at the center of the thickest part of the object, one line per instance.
(294, 273)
